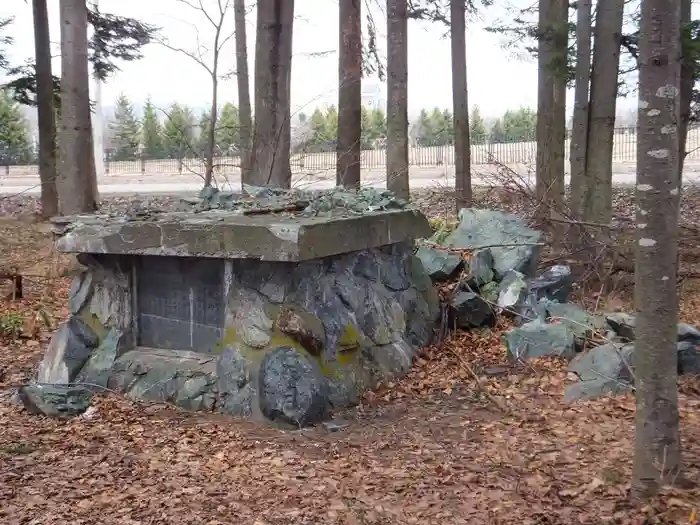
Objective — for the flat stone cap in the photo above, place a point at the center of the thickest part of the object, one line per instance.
(219, 233)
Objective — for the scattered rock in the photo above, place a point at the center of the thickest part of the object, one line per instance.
(688, 358)
(576, 319)
(481, 268)
(512, 243)
(470, 310)
(622, 324)
(440, 265)
(594, 388)
(489, 292)
(512, 291)
(554, 284)
(55, 400)
(539, 339)
(292, 388)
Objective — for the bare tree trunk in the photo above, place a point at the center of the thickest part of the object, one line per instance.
(349, 147)
(460, 104)
(273, 64)
(551, 106)
(597, 205)
(243, 79)
(657, 458)
(45, 110)
(579, 132)
(77, 182)
(687, 81)
(397, 105)
(213, 115)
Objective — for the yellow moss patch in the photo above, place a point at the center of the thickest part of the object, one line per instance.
(94, 323)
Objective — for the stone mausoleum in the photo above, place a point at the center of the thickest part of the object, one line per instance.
(277, 307)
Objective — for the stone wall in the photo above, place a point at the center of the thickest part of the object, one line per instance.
(298, 338)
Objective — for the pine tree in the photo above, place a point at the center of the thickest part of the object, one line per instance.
(477, 128)
(151, 132)
(318, 127)
(379, 123)
(15, 143)
(497, 135)
(202, 138)
(228, 129)
(125, 129)
(178, 132)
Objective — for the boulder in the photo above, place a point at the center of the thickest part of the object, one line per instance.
(554, 284)
(470, 310)
(481, 268)
(292, 389)
(512, 243)
(623, 325)
(688, 358)
(55, 400)
(512, 291)
(539, 339)
(440, 265)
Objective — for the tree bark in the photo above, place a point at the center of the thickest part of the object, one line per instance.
(214, 113)
(579, 132)
(551, 106)
(687, 81)
(657, 458)
(45, 110)
(460, 105)
(243, 80)
(349, 147)
(77, 182)
(601, 127)
(397, 175)
(273, 64)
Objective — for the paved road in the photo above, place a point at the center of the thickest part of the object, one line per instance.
(181, 184)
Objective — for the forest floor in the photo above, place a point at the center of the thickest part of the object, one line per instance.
(440, 446)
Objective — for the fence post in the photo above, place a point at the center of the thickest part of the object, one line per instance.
(179, 165)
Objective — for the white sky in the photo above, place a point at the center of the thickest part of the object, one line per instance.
(497, 80)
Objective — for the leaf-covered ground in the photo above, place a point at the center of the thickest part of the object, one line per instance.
(465, 438)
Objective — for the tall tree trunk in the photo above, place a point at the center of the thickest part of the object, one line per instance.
(657, 458)
(349, 147)
(243, 80)
(397, 104)
(551, 106)
(460, 105)
(77, 183)
(45, 110)
(273, 64)
(579, 132)
(597, 205)
(687, 81)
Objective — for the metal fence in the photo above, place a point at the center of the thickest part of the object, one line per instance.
(516, 152)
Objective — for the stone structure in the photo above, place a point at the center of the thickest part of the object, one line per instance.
(268, 311)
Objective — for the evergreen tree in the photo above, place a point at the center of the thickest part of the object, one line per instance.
(15, 143)
(497, 136)
(477, 128)
(125, 129)
(378, 123)
(424, 128)
(228, 129)
(318, 127)
(519, 125)
(202, 136)
(178, 132)
(151, 132)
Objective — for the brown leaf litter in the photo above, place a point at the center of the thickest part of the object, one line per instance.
(430, 448)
